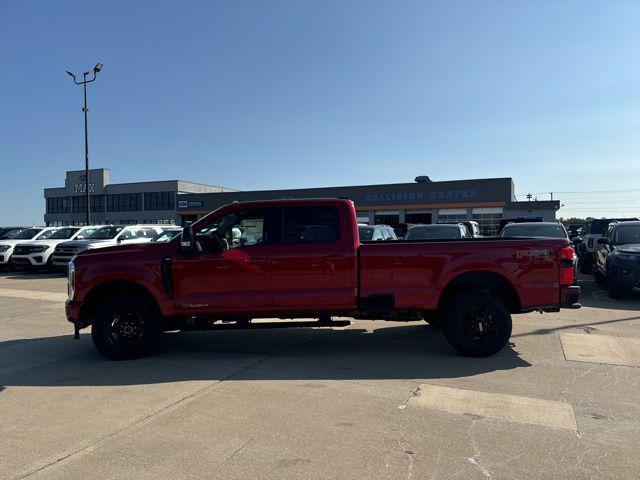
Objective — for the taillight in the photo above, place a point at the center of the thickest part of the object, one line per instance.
(590, 242)
(566, 266)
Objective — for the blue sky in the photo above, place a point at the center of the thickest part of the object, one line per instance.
(269, 94)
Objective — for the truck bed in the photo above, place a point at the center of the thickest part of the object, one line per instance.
(420, 270)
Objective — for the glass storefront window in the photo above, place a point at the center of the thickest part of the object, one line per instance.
(452, 215)
(416, 216)
(488, 220)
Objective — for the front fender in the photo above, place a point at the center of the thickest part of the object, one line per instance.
(91, 274)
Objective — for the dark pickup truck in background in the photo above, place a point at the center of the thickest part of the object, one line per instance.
(617, 258)
(292, 259)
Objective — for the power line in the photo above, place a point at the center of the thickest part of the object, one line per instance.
(590, 191)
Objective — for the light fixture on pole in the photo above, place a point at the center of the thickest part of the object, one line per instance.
(84, 82)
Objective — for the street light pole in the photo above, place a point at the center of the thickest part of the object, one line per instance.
(96, 69)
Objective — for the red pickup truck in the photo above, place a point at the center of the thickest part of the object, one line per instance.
(292, 259)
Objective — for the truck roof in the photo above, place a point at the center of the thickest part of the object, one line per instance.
(294, 201)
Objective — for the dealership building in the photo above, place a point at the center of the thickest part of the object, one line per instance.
(112, 203)
(487, 201)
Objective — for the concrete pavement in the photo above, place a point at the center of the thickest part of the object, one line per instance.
(374, 400)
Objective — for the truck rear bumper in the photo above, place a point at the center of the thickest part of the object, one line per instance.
(569, 296)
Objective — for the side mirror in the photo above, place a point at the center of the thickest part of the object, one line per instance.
(187, 242)
(603, 241)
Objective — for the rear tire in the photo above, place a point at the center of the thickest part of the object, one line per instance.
(477, 324)
(125, 328)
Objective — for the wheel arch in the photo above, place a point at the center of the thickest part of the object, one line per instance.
(100, 292)
(482, 281)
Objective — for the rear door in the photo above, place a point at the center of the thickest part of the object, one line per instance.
(314, 265)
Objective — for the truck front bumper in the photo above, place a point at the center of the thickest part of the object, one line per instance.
(72, 311)
(31, 260)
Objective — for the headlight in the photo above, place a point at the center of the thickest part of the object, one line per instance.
(4, 248)
(71, 279)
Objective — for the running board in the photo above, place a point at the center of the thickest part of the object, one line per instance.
(208, 325)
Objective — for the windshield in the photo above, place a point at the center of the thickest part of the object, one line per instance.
(105, 233)
(365, 233)
(538, 230)
(63, 234)
(165, 237)
(27, 234)
(46, 234)
(11, 233)
(628, 234)
(433, 231)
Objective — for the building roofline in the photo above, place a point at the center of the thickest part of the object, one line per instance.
(363, 185)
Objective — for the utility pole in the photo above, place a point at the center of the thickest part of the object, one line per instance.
(84, 82)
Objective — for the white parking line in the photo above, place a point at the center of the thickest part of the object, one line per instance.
(594, 348)
(512, 408)
(33, 295)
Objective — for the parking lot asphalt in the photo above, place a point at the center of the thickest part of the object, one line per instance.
(373, 400)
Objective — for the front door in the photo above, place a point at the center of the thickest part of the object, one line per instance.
(235, 280)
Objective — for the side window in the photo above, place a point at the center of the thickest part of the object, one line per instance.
(146, 233)
(377, 234)
(240, 228)
(386, 234)
(310, 225)
(128, 235)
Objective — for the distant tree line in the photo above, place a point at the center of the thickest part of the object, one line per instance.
(572, 220)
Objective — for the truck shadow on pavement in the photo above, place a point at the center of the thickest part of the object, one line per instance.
(413, 351)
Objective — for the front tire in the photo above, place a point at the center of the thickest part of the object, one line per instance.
(477, 324)
(125, 328)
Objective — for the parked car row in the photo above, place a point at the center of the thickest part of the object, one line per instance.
(53, 248)
(610, 249)
(442, 231)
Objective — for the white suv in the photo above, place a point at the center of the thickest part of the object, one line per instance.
(7, 246)
(38, 253)
(106, 236)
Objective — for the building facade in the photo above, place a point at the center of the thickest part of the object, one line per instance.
(487, 201)
(117, 203)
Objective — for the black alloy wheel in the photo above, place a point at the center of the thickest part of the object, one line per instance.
(477, 324)
(125, 328)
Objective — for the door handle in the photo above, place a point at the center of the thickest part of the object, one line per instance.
(334, 258)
